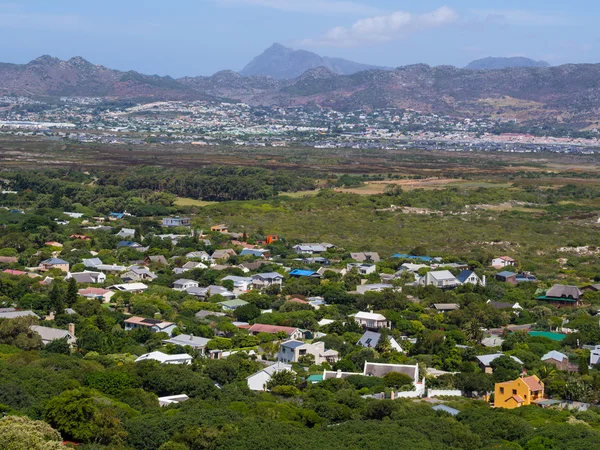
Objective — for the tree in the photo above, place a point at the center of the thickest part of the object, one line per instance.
(60, 346)
(22, 433)
(282, 378)
(307, 359)
(247, 312)
(72, 293)
(505, 369)
(17, 332)
(397, 380)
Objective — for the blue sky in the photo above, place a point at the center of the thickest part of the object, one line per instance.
(200, 37)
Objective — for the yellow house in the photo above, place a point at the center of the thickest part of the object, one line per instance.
(519, 392)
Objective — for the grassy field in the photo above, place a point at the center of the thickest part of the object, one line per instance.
(182, 201)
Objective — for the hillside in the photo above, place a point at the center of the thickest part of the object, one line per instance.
(282, 62)
(569, 94)
(492, 63)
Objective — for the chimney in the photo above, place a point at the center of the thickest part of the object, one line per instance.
(72, 329)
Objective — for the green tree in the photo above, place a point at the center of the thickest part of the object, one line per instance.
(282, 378)
(22, 433)
(72, 294)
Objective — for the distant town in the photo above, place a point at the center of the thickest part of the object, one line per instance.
(111, 121)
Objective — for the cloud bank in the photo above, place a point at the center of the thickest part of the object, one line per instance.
(384, 28)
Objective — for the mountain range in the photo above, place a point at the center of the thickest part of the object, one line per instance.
(568, 93)
(494, 63)
(283, 62)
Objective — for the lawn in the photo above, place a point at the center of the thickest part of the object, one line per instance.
(182, 201)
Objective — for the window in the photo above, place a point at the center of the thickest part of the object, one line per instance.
(514, 392)
(302, 352)
(502, 390)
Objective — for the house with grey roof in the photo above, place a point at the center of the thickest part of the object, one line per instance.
(292, 350)
(485, 361)
(184, 284)
(446, 409)
(138, 273)
(258, 381)
(365, 257)
(87, 277)
(196, 342)
(442, 279)
(370, 339)
(52, 334)
(372, 369)
(11, 313)
(266, 279)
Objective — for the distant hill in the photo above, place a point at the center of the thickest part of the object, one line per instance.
(492, 63)
(282, 63)
(535, 95)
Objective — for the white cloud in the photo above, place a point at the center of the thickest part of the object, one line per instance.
(308, 6)
(520, 17)
(384, 28)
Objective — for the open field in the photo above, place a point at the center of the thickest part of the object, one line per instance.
(435, 164)
(182, 201)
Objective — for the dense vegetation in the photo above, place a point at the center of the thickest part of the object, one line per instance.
(97, 396)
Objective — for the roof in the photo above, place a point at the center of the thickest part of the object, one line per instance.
(518, 398)
(486, 360)
(187, 339)
(267, 275)
(464, 275)
(369, 339)
(183, 281)
(50, 334)
(369, 316)
(563, 291)
(128, 287)
(263, 328)
(292, 344)
(92, 262)
(149, 322)
(442, 275)
(234, 302)
(302, 273)
(446, 306)
(163, 357)
(447, 409)
(55, 261)
(277, 367)
(533, 383)
(15, 314)
(505, 258)
(406, 256)
(204, 313)
(501, 305)
(380, 369)
(93, 291)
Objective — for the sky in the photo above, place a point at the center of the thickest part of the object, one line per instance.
(201, 37)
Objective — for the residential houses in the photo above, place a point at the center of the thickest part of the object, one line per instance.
(362, 268)
(442, 279)
(54, 263)
(369, 257)
(520, 392)
(371, 321)
(154, 325)
(266, 279)
(290, 332)
(258, 381)
(87, 277)
(563, 295)
(52, 334)
(97, 294)
(292, 350)
(163, 358)
(176, 222)
(503, 261)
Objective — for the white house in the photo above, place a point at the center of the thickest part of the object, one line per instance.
(375, 287)
(258, 381)
(184, 284)
(240, 284)
(470, 277)
(371, 321)
(163, 358)
(502, 261)
(439, 278)
(154, 325)
(201, 255)
(51, 334)
(264, 280)
(370, 339)
(595, 355)
(87, 277)
(312, 249)
(291, 351)
(130, 287)
(363, 268)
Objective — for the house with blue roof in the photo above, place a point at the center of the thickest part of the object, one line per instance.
(292, 350)
(298, 273)
(470, 277)
(257, 252)
(54, 263)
